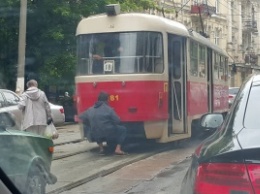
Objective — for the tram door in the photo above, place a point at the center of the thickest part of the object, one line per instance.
(177, 84)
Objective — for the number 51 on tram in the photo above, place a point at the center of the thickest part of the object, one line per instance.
(161, 76)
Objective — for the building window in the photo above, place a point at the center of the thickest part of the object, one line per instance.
(217, 6)
(216, 38)
(233, 11)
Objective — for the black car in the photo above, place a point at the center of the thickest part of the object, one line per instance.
(228, 162)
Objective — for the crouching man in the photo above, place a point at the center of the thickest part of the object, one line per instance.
(104, 124)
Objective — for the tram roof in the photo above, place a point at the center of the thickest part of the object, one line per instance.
(127, 22)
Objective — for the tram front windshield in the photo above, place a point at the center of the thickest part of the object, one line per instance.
(120, 53)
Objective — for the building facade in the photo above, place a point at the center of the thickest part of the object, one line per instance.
(231, 24)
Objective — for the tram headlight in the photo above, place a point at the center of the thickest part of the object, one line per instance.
(112, 9)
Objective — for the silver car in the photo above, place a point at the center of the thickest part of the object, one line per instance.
(9, 101)
(58, 115)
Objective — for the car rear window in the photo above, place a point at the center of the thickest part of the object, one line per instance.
(252, 118)
(233, 90)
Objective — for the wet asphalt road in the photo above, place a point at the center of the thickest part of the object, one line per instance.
(149, 168)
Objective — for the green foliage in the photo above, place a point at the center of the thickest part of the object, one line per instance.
(134, 5)
(51, 42)
(9, 42)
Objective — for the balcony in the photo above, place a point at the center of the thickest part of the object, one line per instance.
(251, 58)
(204, 9)
(250, 26)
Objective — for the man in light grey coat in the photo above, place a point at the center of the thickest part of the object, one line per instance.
(36, 109)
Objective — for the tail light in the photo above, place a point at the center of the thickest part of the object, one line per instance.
(254, 174)
(76, 118)
(224, 178)
(62, 110)
(230, 96)
(51, 149)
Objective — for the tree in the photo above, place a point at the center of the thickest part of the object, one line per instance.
(9, 20)
(50, 38)
(51, 42)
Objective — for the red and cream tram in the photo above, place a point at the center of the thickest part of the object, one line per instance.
(161, 77)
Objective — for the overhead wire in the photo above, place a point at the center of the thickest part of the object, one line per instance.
(181, 8)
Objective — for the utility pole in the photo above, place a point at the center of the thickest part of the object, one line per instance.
(21, 47)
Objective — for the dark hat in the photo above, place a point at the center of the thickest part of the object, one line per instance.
(103, 96)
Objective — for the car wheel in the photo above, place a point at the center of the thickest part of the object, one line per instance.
(35, 182)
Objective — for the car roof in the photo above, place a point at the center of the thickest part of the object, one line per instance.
(256, 79)
(238, 109)
(2, 90)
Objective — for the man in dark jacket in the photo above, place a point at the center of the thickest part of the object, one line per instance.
(104, 123)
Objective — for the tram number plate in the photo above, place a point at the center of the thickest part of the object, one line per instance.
(109, 65)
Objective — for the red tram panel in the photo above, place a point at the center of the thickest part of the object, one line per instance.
(132, 100)
(197, 98)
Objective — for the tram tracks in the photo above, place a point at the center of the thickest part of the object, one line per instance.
(95, 166)
(57, 157)
(76, 161)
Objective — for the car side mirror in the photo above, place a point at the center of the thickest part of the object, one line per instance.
(211, 120)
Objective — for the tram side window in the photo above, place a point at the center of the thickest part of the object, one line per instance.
(202, 61)
(82, 53)
(194, 59)
(226, 69)
(153, 61)
(216, 66)
(158, 60)
(222, 68)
